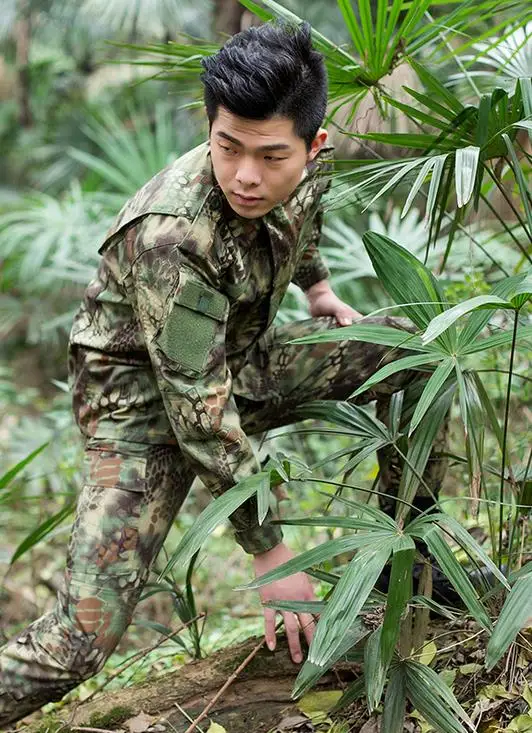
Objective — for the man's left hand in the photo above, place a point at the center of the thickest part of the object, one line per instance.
(323, 302)
(296, 587)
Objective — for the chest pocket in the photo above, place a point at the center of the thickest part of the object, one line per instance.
(194, 326)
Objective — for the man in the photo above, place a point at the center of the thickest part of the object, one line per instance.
(174, 360)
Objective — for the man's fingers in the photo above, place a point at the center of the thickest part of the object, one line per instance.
(308, 626)
(269, 627)
(292, 634)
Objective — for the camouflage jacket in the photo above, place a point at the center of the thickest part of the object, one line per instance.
(183, 289)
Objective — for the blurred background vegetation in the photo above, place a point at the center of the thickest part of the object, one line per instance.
(85, 120)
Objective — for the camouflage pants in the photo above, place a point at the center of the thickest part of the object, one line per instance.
(130, 497)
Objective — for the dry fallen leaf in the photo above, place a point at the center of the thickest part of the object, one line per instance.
(371, 726)
(216, 728)
(140, 723)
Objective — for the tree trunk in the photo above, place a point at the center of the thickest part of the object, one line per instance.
(22, 39)
(227, 17)
(256, 701)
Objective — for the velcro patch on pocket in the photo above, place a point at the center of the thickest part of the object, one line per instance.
(190, 329)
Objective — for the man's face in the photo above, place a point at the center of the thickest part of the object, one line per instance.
(258, 163)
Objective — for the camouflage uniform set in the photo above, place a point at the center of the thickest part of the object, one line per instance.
(173, 362)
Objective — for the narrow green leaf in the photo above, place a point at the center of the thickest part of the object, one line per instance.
(314, 607)
(353, 27)
(310, 673)
(464, 539)
(505, 289)
(401, 173)
(365, 509)
(434, 700)
(489, 409)
(374, 670)
(393, 714)
(355, 417)
(383, 335)
(320, 554)
(434, 606)
(442, 322)
(516, 611)
(455, 574)
(524, 189)
(432, 388)
(406, 362)
(330, 521)
(217, 511)
(416, 186)
(354, 692)
(263, 501)
(8, 477)
(433, 85)
(407, 280)
(497, 341)
(399, 593)
(42, 531)
(348, 597)
(420, 448)
(465, 171)
(439, 166)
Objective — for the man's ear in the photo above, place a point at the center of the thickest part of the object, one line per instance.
(317, 144)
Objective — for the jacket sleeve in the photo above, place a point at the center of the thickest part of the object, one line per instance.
(184, 325)
(311, 268)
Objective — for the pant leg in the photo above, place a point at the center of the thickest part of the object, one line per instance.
(129, 499)
(279, 376)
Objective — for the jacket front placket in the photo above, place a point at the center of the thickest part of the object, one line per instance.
(282, 240)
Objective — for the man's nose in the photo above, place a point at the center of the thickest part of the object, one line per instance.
(248, 173)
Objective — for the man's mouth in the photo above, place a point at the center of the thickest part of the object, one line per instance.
(244, 200)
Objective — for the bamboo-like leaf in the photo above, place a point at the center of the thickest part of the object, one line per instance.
(353, 26)
(497, 341)
(330, 521)
(263, 500)
(393, 714)
(365, 509)
(374, 670)
(442, 322)
(504, 289)
(314, 607)
(399, 593)
(420, 180)
(354, 417)
(487, 404)
(407, 280)
(524, 189)
(310, 673)
(348, 597)
(432, 388)
(406, 362)
(465, 171)
(320, 554)
(434, 700)
(42, 531)
(354, 692)
(402, 172)
(514, 614)
(384, 335)
(434, 606)
(464, 539)
(439, 166)
(420, 448)
(217, 511)
(455, 573)
(9, 475)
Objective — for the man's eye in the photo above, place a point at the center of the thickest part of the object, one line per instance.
(272, 158)
(230, 151)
